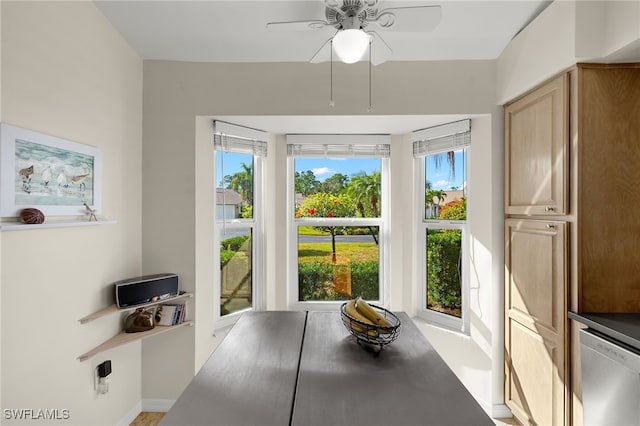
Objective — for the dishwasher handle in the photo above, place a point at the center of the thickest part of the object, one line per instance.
(614, 351)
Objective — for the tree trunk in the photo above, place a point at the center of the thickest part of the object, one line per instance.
(333, 244)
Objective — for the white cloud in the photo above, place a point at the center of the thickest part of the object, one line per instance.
(319, 171)
(442, 184)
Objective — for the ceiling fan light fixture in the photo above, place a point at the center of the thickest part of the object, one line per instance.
(350, 45)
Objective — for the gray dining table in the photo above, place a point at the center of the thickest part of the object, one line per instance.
(305, 369)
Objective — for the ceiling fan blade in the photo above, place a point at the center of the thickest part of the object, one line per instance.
(380, 50)
(409, 19)
(323, 54)
(297, 25)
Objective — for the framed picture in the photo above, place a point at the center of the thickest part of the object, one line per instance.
(51, 174)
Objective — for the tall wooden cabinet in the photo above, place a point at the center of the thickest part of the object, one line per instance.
(536, 195)
(572, 234)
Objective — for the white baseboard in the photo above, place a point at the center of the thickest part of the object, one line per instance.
(157, 405)
(131, 415)
(500, 411)
(495, 411)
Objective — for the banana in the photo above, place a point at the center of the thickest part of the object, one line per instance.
(368, 312)
(352, 312)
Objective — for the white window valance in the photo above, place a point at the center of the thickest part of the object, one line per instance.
(444, 138)
(229, 137)
(339, 146)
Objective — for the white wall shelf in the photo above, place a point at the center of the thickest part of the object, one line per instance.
(18, 226)
(123, 338)
(113, 308)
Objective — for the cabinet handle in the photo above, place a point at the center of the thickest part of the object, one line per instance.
(549, 209)
(551, 226)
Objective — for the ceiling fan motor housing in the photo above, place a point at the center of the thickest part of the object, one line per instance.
(352, 14)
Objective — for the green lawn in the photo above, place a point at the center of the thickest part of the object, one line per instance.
(356, 252)
(310, 230)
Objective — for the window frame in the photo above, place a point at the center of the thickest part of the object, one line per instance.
(256, 224)
(439, 319)
(293, 223)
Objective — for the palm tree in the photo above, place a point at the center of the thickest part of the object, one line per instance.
(242, 183)
(438, 194)
(450, 157)
(365, 189)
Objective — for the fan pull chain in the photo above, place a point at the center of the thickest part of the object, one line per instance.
(370, 109)
(331, 103)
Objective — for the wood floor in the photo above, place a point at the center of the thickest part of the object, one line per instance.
(152, 419)
(147, 419)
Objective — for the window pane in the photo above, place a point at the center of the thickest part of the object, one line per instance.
(347, 187)
(444, 271)
(234, 185)
(445, 185)
(236, 271)
(351, 270)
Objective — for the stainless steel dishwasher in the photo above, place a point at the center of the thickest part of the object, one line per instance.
(610, 381)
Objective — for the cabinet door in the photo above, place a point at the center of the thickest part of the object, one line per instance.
(535, 321)
(536, 143)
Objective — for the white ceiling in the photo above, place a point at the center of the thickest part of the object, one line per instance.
(235, 31)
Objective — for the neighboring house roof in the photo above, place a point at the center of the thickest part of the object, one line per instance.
(227, 196)
(451, 196)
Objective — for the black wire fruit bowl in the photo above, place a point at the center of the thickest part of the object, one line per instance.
(375, 335)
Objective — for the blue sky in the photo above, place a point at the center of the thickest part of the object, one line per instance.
(440, 178)
(323, 168)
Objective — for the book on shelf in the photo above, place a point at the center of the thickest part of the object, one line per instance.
(172, 314)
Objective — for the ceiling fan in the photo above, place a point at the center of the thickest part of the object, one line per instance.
(356, 24)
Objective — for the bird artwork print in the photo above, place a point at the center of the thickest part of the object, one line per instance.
(79, 180)
(25, 175)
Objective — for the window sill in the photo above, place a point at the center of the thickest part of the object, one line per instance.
(223, 324)
(443, 322)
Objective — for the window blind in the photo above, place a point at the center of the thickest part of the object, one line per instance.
(339, 146)
(444, 138)
(229, 137)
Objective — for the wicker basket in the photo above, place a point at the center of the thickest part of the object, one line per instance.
(374, 335)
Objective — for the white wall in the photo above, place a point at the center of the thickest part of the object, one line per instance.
(66, 72)
(477, 359)
(565, 33)
(177, 97)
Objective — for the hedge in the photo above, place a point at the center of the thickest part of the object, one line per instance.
(443, 272)
(315, 281)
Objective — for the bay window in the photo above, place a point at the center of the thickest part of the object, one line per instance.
(238, 218)
(441, 173)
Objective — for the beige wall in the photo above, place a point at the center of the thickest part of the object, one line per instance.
(66, 72)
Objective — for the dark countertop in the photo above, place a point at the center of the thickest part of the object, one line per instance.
(622, 327)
